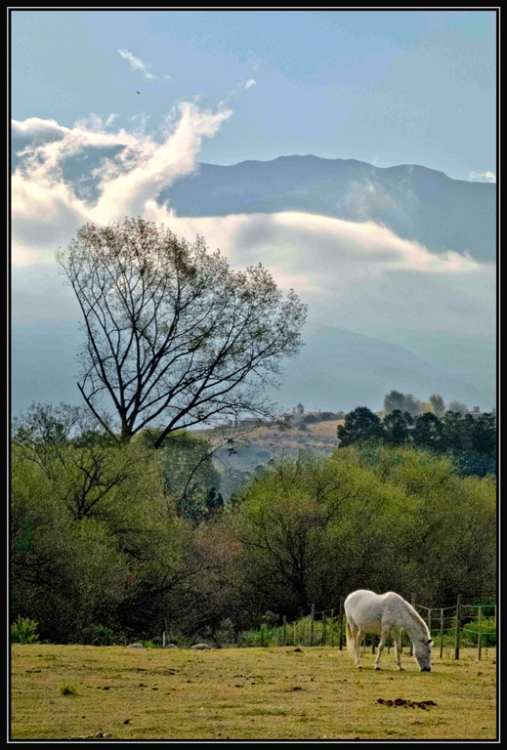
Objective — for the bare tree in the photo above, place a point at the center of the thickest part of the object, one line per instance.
(174, 337)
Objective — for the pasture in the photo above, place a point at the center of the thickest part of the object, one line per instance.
(73, 692)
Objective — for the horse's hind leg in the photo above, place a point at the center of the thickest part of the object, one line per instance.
(383, 636)
(357, 642)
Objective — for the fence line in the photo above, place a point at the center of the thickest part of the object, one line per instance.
(330, 630)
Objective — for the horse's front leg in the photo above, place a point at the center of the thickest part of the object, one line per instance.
(397, 649)
(383, 635)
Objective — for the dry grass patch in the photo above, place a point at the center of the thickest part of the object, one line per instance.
(326, 429)
(257, 693)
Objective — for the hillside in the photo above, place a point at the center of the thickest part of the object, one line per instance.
(252, 448)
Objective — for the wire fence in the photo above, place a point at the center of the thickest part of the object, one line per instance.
(455, 627)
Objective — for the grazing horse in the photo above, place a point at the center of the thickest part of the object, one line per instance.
(382, 614)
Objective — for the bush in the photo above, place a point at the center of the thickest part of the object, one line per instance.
(487, 629)
(98, 635)
(104, 635)
(226, 634)
(68, 690)
(24, 630)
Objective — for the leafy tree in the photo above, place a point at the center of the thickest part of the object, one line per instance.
(475, 464)
(214, 503)
(438, 405)
(449, 534)
(457, 431)
(95, 536)
(190, 476)
(360, 424)
(428, 431)
(484, 435)
(457, 407)
(401, 402)
(173, 336)
(280, 525)
(397, 427)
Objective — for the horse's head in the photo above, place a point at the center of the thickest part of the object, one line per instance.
(422, 654)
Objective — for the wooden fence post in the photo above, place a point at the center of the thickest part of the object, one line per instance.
(412, 601)
(479, 636)
(332, 628)
(302, 636)
(312, 618)
(441, 633)
(163, 639)
(341, 624)
(456, 643)
(323, 641)
(295, 634)
(284, 640)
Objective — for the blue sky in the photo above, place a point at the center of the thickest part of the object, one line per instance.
(387, 87)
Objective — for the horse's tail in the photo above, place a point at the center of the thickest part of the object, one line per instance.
(350, 639)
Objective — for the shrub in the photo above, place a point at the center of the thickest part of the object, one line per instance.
(487, 629)
(104, 635)
(68, 690)
(24, 630)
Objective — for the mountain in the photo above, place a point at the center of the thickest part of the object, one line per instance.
(356, 371)
(359, 370)
(415, 202)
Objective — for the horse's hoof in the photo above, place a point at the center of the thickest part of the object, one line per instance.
(401, 669)
(378, 669)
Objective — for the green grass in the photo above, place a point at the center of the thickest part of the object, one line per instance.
(251, 693)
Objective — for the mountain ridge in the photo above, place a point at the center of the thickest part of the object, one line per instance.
(416, 202)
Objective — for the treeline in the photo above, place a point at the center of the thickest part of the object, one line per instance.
(470, 441)
(115, 541)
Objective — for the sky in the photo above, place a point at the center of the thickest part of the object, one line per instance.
(145, 96)
(386, 87)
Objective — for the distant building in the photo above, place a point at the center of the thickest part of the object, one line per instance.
(475, 411)
(298, 410)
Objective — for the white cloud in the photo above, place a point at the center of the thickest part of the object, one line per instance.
(250, 83)
(34, 127)
(137, 64)
(45, 208)
(483, 176)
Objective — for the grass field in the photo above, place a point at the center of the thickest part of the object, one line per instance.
(73, 692)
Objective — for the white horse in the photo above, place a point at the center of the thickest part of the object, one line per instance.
(382, 614)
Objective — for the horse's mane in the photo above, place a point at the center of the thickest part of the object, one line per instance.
(414, 614)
